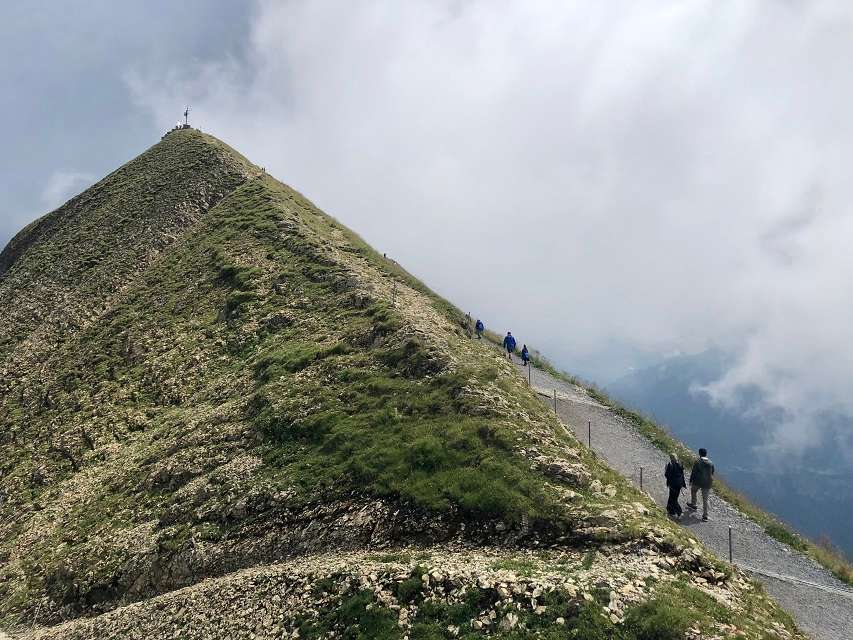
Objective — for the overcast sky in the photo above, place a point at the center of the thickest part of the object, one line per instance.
(612, 181)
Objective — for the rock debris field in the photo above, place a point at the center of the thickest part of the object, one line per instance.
(275, 601)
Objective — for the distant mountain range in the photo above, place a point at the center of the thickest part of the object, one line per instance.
(810, 491)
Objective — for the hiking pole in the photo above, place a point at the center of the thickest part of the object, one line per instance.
(730, 545)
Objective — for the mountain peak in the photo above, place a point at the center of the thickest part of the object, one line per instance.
(170, 183)
(205, 375)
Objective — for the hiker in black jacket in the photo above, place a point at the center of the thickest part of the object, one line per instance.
(674, 474)
(701, 479)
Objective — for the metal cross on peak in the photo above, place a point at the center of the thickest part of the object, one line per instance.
(187, 116)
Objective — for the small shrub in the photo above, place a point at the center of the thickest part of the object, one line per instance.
(590, 624)
(428, 454)
(412, 360)
(238, 277)
(235, 301)
(324, 586)
(355, 620)
(657, 620)
(409, 590)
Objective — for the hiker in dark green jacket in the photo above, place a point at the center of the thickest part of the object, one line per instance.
(701, 479)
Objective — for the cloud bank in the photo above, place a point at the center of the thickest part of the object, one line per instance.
(611, 181)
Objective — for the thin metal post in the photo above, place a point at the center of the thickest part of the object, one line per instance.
(528, 374)
(555, 401)
(589, 433)
(730, 545)
(641, 478)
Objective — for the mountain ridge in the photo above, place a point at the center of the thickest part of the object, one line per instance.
(234, 379)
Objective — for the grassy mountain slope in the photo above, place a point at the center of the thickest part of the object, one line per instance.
(204, 374)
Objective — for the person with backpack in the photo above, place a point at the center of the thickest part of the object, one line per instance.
(701, 479)
(525, 355)
(674, 474)
(479, 328)
(509, 345)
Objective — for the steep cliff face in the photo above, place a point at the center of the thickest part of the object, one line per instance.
(202, 375)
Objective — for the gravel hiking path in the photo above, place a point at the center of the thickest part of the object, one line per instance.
(821, 604)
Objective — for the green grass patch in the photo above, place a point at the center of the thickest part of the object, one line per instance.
(521, 567)
(657, 620)
(359, 616)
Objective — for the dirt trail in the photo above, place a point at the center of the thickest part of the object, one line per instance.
(821, 604)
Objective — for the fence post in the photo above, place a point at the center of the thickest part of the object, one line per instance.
(641, 478)
(555, 401)
(730, 546)
(589, 433)
(529, 367)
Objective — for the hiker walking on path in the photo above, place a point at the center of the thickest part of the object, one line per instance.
(821, 603)
(674, 474)
(525, 356)
(509, 345)
(480, 327)
(701, 479)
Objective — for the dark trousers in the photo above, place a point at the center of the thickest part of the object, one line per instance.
(672, 506)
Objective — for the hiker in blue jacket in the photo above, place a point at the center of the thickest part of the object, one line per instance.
(480, 327)
(525, 355)
(509, 344)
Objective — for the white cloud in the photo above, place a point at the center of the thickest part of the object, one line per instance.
(604, 178)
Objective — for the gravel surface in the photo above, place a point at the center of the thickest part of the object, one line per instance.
(823, 609)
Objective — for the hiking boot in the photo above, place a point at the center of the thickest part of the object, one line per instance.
(704, 518)
(692, 507)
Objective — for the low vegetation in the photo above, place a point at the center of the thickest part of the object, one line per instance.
(253, 383)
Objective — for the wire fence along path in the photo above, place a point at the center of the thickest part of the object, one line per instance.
(821, 604)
